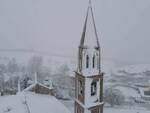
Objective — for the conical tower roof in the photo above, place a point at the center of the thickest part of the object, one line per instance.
(89, 36)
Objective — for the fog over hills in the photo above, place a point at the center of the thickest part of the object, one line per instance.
(56, 27)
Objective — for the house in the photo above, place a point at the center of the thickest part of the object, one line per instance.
(145, 93)
(40, 89)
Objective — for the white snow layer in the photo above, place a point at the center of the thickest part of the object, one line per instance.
(36, 104)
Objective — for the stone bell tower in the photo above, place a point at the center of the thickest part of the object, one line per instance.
(89, 78)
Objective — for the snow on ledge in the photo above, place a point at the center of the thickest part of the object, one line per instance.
(89, 104)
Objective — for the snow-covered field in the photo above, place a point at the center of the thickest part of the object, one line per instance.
(133, 69)
(128, 92)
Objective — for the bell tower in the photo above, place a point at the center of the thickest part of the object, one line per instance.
(88, 77)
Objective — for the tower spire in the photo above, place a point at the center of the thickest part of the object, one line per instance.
(89, 78)
(89, 34)
(89, 42)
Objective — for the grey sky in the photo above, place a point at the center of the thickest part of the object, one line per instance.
(55, 26)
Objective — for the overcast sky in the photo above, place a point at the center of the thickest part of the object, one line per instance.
(55, 26)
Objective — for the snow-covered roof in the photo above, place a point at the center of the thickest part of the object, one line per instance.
(142, 92)
(36, 83)
(36, 103)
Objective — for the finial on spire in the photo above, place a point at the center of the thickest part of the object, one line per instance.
(90, 3)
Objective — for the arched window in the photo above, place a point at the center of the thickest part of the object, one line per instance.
(93, 61)
(80, 87)
(87, 61)
(97, 57)
(93, 88)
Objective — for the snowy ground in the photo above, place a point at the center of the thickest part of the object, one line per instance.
(121, 109)
(128, 92)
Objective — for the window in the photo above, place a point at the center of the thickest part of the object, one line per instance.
(80, 87)
(87, 61)
(93, 61)
(80, 64)
(97, 57)
(93, 88)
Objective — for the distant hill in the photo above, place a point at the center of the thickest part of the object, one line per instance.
(133, 69)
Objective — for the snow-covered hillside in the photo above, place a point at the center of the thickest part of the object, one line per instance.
(133, 69)
(133, 74)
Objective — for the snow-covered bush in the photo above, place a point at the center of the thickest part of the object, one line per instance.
(7, 109)
(62, 94)
(113, 96)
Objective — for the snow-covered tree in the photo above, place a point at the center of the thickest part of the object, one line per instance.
(113, 96)
(24, 81)
(62, 82)
(2, 71)
(2, 84)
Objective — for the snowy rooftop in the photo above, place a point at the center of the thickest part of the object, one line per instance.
(33, 85)
(35, 103)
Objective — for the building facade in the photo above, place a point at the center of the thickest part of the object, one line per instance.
(88, 77)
